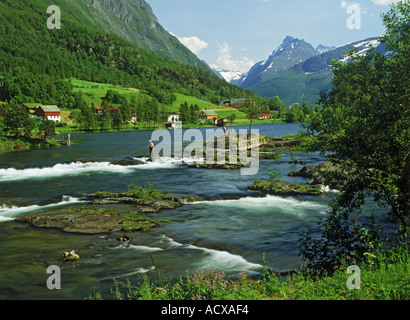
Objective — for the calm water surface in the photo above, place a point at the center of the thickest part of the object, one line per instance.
(228, 234)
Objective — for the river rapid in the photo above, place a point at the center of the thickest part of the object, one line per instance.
(232, 235)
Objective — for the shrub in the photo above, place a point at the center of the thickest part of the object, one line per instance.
(275, 175)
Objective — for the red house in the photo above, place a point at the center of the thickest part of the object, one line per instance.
(113, 110)
(264, 115)
(52, 113)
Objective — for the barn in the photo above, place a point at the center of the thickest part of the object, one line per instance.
(52, 113)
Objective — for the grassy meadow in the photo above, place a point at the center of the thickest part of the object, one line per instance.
(95, 92)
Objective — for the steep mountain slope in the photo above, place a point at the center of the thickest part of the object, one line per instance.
(132, 20)
(305, 80)
(35, 61)
(289, 53)
(322, 49)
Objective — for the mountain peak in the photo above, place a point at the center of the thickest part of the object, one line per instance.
(291, 52)
(322, 48)
(289, 44)
(290, 39)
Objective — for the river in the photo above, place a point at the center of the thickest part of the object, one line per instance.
(231, 235)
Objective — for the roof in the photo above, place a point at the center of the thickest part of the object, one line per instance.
(50, 108)
(31, 105)
(111, 108)
(238, 101)
(210, 112)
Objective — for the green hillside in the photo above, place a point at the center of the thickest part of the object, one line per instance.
(132, 20)
(294, 87)
(36, 61)
(94, 93)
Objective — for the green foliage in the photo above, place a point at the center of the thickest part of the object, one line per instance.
(189, 114)
(18, 122)
(388, 279)
(251, 108)
(145, 193)
(365, 122)
(137, 223)
(35, 61)
(47, 129)
(274, 175)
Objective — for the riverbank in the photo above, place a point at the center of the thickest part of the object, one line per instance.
(384, 276)
(11, 144)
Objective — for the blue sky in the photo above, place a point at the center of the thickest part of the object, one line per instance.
(235, 34)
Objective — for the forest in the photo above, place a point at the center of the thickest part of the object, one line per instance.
(35, 61)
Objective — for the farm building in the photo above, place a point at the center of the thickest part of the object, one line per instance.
(207, 114)
(264, 114)
(52, 113)
(234, 103)
(32, 108)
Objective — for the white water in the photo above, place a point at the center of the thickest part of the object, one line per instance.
(80, 168)
(211, 258)
(11, 213)
(73, 169)
(290, 205)
(230, 235)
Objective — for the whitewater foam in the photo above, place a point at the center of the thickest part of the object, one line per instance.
(212, 258)
(61, 169)
(136, 271)
(11, 213)
(270, 203)
(79, 168)
(140, 249)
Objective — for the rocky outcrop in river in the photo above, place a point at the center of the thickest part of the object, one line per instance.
(328, 173)
(284, 188)
(94, 219)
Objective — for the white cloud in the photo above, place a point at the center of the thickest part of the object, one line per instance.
(345, 4)
(226, 62)
(384, 2)
(193, 43)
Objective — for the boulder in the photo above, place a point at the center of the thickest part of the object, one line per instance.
(70, 256)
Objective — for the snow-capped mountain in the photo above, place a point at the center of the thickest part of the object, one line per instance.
(305, 80)
(322, 62)
(322, 48)
(290, 52)
(229, 76)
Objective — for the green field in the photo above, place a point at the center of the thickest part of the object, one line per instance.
(94, 93)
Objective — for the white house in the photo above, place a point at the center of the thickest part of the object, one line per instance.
(173, 117)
